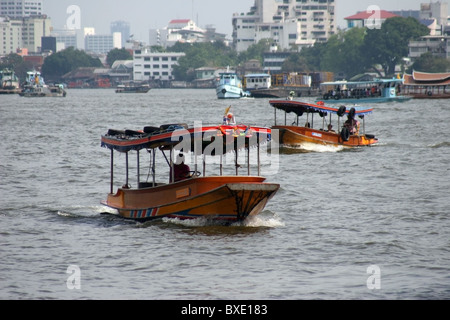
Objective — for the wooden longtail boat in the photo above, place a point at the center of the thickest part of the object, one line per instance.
(230, 198)
(348, 133)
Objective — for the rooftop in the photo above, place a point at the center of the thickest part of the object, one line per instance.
(363, 15)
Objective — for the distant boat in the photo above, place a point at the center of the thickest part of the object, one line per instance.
(422, 85)
(9, 83)
(375, 91)
(230, 86)
(283, 85)
(35, 87)
(132, 87)
(310, 135)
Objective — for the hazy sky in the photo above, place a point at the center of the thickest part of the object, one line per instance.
(150, 14)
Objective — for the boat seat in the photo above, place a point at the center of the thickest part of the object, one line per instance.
(133, 133)
(174, 125)
(150, 129)
(113, 132)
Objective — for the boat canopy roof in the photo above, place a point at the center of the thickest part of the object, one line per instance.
(362, 83)
(299, 108)
(258, 75)
(171, 136)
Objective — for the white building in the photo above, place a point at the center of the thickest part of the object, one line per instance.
(437, 10)
(10, 35)
(102, 44)
(21, 8)
(288, 23)
(154, 66)
(23, 33)
(438, 46)
(178, 30)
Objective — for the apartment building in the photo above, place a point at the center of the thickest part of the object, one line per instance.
(289, 23)
(154, 66)
(10, 35)
(21, 8)
(102, 44)
(438, 46)
(23, 33)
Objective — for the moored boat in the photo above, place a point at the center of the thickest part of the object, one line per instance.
(349, 133)
(357, 92)
(423, 85)
(35, 87)
(229, 86)
(283, 85)
(193, 195)
(9, 83)
(131, 87)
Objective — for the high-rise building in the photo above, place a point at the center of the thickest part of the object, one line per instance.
(123, 28)
(288, 23)
(21, 8)
(23, 33)
(102, 44)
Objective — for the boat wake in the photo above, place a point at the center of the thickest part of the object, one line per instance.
(310, 147)
(264, 220)
(440, 145)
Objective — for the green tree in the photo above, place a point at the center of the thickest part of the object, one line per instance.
(118, 54)
(389, 44)
(312, 56)
(256, 51)
(429, 63)
(295, 63)
(60, 63)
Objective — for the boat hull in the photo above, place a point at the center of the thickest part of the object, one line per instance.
(229, 198)
(300, 136)
(133, 90)
(230, 92)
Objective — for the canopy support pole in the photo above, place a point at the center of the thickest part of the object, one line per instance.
(248, 160)
(154, 167)
(259, 157)
(126, 157)
(138, 170)
(236, 161)
(112, 172)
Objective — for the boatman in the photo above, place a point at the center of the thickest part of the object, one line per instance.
(352, 125)
(180, 169)
(229, 119)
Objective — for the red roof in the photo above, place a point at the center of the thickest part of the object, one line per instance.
(363, 15)
(180, 21)
(423, 78)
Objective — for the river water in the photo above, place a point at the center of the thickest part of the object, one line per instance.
(371, 223)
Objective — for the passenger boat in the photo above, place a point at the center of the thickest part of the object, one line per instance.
(229, 198)
(35, 87)
(9, 83)
(422, 85)
(357, 92)
(229, 86)
(131, 87)
(283, 85)
(349, 133)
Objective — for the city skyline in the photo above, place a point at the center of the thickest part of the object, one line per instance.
(151, 15)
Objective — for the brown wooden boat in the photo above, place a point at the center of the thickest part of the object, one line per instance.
(223, 197)
(349, 133)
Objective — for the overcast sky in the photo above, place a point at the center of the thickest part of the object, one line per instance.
(151, 14)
